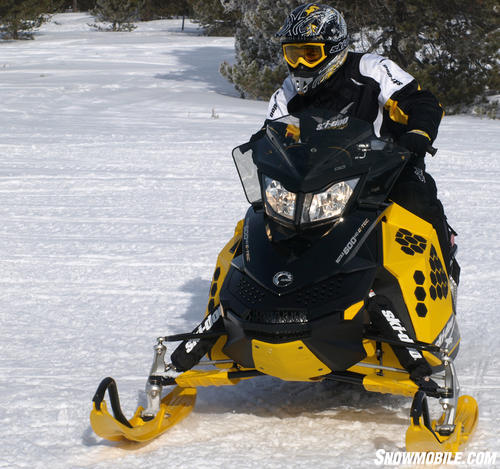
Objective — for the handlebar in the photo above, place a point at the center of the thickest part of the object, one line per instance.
(430, 149)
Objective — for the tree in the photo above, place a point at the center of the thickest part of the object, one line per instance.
(259, 67)
(214, 18)
(157, 9)
(19, 18)
(79, 5)
(120, 14)
(450, 46)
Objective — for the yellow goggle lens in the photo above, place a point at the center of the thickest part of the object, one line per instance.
(308, 54)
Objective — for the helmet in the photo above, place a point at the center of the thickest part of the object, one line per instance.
(314, 40)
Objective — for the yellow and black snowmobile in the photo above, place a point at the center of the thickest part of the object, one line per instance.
(325, 279)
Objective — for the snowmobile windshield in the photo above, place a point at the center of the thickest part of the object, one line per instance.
(308, 152)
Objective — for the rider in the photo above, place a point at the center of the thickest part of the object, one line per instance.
(323, 73)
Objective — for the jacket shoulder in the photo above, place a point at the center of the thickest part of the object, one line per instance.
(390, 76)
(278, 104)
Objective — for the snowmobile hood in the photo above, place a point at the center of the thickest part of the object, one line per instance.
(287, 267)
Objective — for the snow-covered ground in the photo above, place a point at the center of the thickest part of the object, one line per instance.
(117, 190)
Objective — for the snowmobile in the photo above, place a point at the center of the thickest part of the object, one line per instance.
(298, 292)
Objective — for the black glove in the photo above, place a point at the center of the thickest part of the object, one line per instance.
(416, 141)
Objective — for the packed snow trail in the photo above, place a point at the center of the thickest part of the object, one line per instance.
(117, 190)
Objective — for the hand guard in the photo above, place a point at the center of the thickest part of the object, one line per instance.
(416, 141)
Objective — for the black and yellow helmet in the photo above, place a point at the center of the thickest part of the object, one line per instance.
(314, 40)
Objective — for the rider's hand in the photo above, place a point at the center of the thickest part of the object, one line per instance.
(417, 141)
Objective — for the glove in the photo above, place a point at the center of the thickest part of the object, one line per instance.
(416, 141)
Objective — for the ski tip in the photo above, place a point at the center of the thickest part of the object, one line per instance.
(421, 438)
(174, 407)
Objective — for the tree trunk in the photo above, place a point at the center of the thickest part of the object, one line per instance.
(75, 5)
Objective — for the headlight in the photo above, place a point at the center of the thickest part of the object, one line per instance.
(330, 203)
(279, 199)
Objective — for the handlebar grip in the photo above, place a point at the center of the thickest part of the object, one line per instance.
(430, 149)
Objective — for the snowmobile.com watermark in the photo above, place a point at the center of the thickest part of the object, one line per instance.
(468, 459)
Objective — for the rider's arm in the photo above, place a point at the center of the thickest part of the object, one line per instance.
(408, 107)
(422, 108)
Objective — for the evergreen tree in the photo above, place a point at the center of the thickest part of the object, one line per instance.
(79, 5)
(214, 18)
(450, 46)
(259, 67)
(120, 14)
(19, 18)
(157, 9)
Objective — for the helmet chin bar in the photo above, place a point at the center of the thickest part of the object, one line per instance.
(301, 83)
(306, 80)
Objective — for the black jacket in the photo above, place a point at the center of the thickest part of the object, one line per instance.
(381, 92)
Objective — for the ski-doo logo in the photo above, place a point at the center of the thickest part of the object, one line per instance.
(283, 279)
(396, 325)
(389, 74)
(333, 124)
(205, 326)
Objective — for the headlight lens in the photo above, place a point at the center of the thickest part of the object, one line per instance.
(330, 203)
(279, 199)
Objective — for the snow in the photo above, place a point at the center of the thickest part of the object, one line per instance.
(117, 190)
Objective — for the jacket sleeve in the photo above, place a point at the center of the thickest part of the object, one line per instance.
(422, 108)
(401, 96)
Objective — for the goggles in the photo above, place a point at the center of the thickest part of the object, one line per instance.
(309, 54)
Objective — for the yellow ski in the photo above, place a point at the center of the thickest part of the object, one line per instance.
(423, 436)
(174, 407)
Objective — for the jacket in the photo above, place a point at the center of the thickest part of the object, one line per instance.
(369, 87)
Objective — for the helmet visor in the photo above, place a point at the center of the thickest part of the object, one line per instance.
(309, 54)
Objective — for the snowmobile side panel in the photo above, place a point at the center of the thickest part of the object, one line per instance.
(191, 351)
(410, 241)
(291, 361)
(421, 436)
(222, 267)
(174, 407)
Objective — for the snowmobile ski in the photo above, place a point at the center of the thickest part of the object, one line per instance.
(174, 407)
(422, 435)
